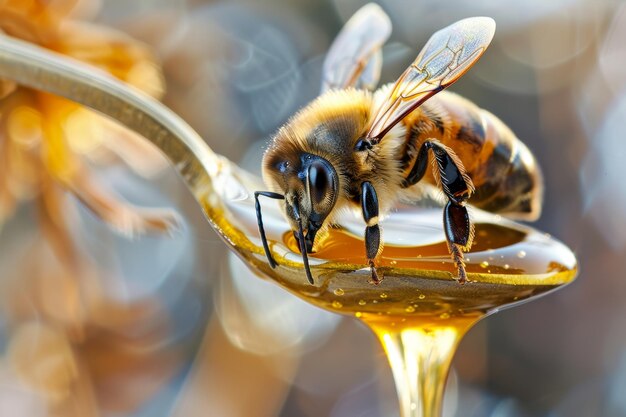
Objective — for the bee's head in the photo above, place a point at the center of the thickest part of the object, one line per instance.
(309, 159)
(310, 185)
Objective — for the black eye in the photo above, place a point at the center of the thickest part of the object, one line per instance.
(321, 181)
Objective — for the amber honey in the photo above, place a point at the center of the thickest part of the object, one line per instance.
(506, 265)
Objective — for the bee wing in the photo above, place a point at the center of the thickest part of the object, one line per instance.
(448, 54)
(355, 58)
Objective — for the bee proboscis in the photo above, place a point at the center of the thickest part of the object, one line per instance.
(354, 148)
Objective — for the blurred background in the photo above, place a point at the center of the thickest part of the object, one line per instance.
(117, 299)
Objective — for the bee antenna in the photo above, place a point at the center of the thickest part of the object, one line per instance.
(302, 244)
(259, 218)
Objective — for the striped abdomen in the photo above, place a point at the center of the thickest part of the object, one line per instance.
(504, 172)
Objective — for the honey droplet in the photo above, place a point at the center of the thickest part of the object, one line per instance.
(506, 266)
(410, 309)
(339, 291)
(362, 302)
(421, 296)
(484, 264)
(444, 316)
(358, 314)
(521, 254)
(383, 295)
(337, 304)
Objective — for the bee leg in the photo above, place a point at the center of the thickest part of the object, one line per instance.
(369, 207)
(459, 234)
(302, 245)
(259, 219)
(458, 187)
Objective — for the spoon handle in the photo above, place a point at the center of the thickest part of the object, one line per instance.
(41, 69)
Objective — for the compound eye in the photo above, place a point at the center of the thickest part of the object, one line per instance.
(321, 182)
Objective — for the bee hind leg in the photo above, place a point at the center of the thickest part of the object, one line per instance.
(369, 207)
(458, 187)
(459, 234)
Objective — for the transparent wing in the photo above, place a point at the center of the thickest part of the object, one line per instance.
(355, 59)
(448, 54)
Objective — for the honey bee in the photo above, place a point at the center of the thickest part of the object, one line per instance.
(357, 149)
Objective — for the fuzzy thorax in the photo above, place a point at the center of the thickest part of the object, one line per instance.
(329, 128)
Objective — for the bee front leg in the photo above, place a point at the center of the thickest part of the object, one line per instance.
(458, 187)
(369, 207)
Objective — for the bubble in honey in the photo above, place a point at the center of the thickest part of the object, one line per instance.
(506, 266)
(421, 296)
(337, 304)
(521, 254)
(484, 264)
(375, 302)
(358, 314)
(362, 302)
(339, 291)
(444, 316)
(410, 309)
(383, 295)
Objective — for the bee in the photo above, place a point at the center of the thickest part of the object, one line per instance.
(352, 148)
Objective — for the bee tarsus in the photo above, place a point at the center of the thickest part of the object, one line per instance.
(457, 255)
(376, 277)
